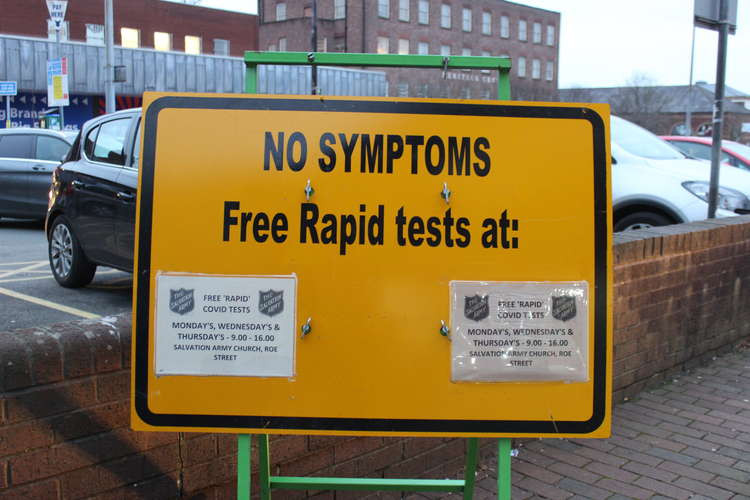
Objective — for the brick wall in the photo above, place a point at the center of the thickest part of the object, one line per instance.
(680, 296)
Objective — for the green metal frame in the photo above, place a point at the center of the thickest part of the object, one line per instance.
(500, 64)
(244, 441)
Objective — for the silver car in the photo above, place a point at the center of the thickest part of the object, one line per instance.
(27, 158)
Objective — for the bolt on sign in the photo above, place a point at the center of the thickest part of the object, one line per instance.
(373, 266)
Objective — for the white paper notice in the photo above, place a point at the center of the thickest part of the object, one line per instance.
(519, 331)
(225, 325)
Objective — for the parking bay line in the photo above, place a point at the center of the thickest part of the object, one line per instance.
(22, 269)
(47, 303)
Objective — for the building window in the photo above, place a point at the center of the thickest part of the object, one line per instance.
(445, 16)
(403, 46)
(282, 44)
(536, 69)
(537, 33)
(95, 34)
(271, 47)
(522, 30)
(162, 41)
(52, 31)
(382, 45)
(281, 11)
(521, 67)
(424, 12)
(423, 48)
(486, 23)
(384, 8)
(322, 44)
(221, 47)
(192, 44)
(504, 27)
(549, 71)
(402, 89)
(339, 9)
(403, 10)
(466, 19)
(550, 35)
(445, 50)
(130, 38)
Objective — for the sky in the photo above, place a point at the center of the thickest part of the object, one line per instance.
(606, 43)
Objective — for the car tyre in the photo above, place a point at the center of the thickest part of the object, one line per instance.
(641, 220)
(70, 267)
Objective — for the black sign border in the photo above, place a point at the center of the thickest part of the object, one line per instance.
(375, 425)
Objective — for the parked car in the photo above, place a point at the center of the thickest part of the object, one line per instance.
(732, 153)
(91, 214)
(27, 158)
(655, 184)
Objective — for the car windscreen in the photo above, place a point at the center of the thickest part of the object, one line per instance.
(640, 142)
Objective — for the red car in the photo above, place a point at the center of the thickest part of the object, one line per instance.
(732, 153)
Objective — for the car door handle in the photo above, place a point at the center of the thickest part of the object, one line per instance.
(39, 168)
(122, 195)
(78, 184)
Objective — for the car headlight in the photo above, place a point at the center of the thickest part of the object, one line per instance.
(727, 199)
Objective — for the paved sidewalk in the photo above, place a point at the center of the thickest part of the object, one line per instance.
(688, 439)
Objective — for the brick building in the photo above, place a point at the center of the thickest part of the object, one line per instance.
(154, 24)
(530, 36)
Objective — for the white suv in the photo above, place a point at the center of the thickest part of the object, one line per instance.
(654, 184)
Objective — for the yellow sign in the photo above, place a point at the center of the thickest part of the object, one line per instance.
(373, 266)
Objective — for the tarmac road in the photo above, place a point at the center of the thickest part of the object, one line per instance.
(30, 296)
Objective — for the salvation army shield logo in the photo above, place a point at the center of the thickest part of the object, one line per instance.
(477, 307)
(271, 302)
(181, 301)
(564, 308)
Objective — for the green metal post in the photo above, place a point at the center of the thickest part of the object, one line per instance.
(503, 469)
(503, 85)
(264, 467)
(470, 472)
(243, 466)
(251, 79)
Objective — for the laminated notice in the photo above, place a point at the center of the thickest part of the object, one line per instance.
(213, 325)
(519, 331)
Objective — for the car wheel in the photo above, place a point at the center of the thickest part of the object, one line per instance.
(641, 220)
(70, 267)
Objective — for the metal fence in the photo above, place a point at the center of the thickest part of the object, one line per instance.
(24, 60)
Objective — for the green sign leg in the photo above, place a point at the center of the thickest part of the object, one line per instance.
(470, 473)
(243, 467)
(503, 469)
(264, 467)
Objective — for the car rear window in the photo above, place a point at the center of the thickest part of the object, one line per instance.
(110, 143)
(51, 148)
(16, 146)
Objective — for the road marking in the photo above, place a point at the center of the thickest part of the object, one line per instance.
(18, 263)
(14, 280)
(47, 303)
(23, 269)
